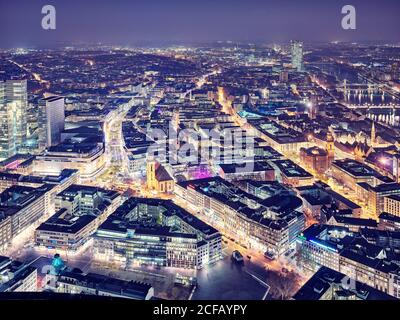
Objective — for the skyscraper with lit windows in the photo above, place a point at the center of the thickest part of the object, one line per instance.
(13, 116)
(7, 147)
(297, 55)
(17, 98)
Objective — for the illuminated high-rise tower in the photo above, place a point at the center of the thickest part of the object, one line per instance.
(13, 116)
(7, 144)
(297, 55)
(17, 98)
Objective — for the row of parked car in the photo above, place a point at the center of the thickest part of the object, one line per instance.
(238, 257)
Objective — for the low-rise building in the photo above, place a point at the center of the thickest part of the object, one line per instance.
(61, 180)
(80, 210)
(136, 146)
(19, 163)
(259, 171)
(353, 224)
(242, 216)
(20, 207)
(16, 276)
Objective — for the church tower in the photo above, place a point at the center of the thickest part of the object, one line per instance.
(373, 134)
(330, 145)
(151, 174)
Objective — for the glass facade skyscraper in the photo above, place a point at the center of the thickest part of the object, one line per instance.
(7, 147)
(297, 55)
(13, 116)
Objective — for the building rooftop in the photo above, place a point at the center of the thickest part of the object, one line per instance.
(77, 189)
(386, 187)
(123, 219)
(17, 197)
(248, 167)
(17, 161)
(64, 222)
(291, 170)
(277, 132)
(129, 289)
(269, 214)
(355, 168)
(64, 175)
(351, 221)
(314, 152)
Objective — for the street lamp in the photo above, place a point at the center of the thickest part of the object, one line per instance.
(383, 161)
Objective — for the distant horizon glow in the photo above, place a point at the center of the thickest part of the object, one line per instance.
(156, 22)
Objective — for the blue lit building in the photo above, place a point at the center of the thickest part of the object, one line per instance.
(359, 257)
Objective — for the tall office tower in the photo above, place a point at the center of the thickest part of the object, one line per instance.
(297, 55)
(51, 121)
(13, 116)
(17, 98)
(7, 143)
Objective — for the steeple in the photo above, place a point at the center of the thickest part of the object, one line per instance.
(151, 174)
(330, 144)
(373, 134)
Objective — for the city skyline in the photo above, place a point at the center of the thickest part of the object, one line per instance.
(192, 22)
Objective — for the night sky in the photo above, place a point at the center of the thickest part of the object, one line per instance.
(156, 22)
